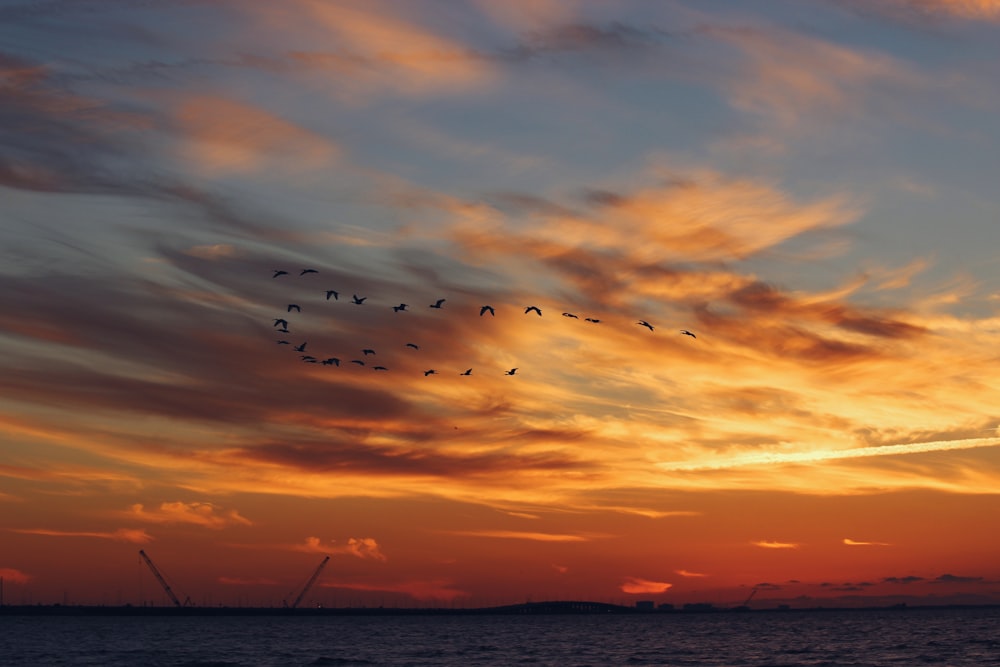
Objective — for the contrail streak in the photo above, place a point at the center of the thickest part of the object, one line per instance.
(771, 458)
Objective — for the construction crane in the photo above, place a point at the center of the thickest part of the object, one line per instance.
(309, 584)
(163, 582)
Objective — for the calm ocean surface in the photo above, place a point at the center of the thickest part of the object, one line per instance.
(871, 638)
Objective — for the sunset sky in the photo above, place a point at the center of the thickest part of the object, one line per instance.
(810, 187)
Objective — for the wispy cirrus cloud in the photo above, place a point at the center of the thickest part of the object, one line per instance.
(133, 535)
(375, 52)
(222, 136)
(855, 543)
(523, 535)
(917, 10)
(203, 514)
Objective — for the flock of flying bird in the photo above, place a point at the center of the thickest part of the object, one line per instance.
(281, 326)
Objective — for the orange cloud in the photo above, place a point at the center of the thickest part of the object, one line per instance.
(200, 514)
(705, 217)
(134, 535)
(769, 544)
(223, 136)
(973, 10)
(789, 78)
(686, 573)
(364, 547)
(852, 543)
(376, 51)
(637, 586)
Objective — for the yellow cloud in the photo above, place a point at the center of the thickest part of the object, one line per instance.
(852, 543)
(522, 535)
(770, 544)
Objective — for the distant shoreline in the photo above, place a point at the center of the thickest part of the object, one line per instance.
(525, 609)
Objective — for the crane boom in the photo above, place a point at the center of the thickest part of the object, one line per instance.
(309, 584)
(159, 578)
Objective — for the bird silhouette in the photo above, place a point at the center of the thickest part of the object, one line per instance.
(482, 311)
(301, 348)
(358, 362)
(398, 308)
(646, 324)
(430, 372)
(334, 293)
(688, 333)
(467, 372)
(332, 361)
(510, 372)
(294, 306)
(379, 368)
(283, 342)
(283, 330)
(305, 271)
(437, 304)
(280, 322)
(591, 319)
(279, 272)
(309, 358)
(570, 315)
(367, 351)
(413, 345)
(533, 308)
(359, 299)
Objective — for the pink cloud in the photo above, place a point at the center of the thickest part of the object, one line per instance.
(14, 575)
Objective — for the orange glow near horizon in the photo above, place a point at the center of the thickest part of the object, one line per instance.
(730, 345)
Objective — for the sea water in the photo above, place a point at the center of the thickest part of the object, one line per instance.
(869, 638)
